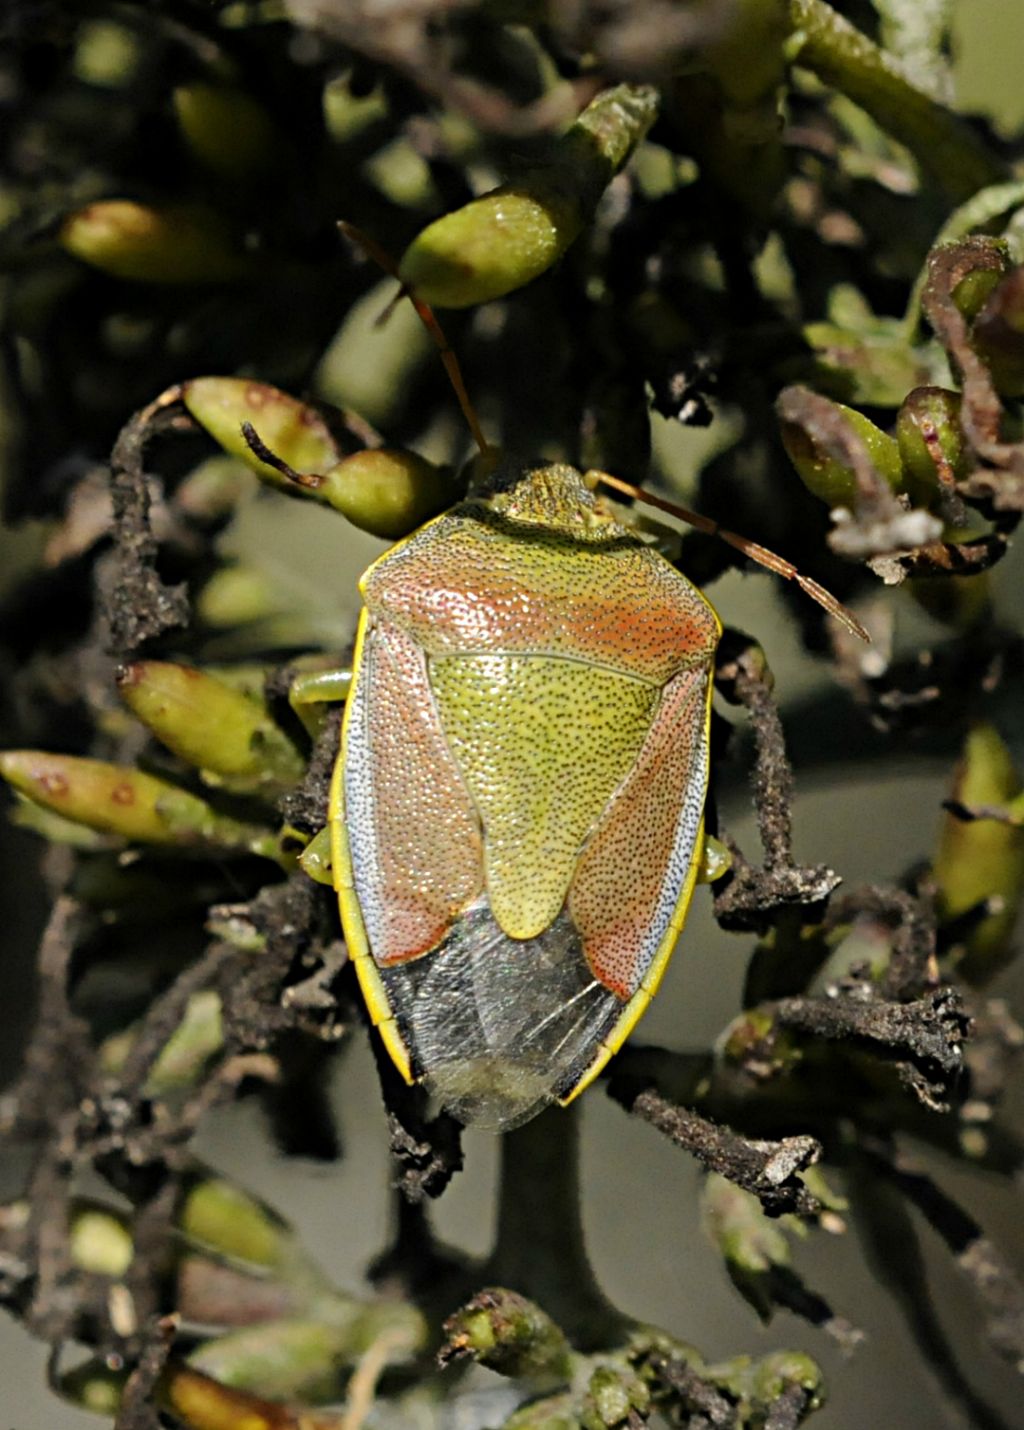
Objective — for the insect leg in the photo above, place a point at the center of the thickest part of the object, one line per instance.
(313, 689)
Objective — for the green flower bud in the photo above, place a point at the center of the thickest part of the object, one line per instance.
(387, 492)
(53, 827)
(107, 53)
(554, 1412)
(982, 859)
(144, 244)
(226, 1222)
(293, 431)
(931, 443)
(228, 131)
(204, 1404)
(750, 1243)
(118, 799)
(304, 1359)
(195, 1040)
(228, 736)
(507, 1333)
(749, 59)
(212, 490)
(100, 1242)
(614, 1392)
(222, 1218)
(831, 480)
(282, 1360)
(236, 595)
(510, 236)
(774, 1374)
(94, 1386)
(992, 261)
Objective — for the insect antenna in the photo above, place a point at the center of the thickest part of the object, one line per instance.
(428, 318)
(752, 549)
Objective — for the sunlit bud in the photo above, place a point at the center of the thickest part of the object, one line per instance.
(510, 236)
(146, 244)
(615, 1396)
(198, 1036)
(235, 595)
(931, 443)
(107, 53)
(998, 334)
(304, 1359)
(509, 1334)
(387, 492)
(228, 736)
(100, 1241)
(95, 1386)
(293, 431)
(118, 799)
(222, 1218)
(227, 130)
(830, 479)
(981, 860)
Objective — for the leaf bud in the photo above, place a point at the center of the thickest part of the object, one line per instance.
(831, 480)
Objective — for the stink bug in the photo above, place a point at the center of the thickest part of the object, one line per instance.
(516, 818)
(517, 808)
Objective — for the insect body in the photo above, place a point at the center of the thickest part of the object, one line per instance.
(517, 807)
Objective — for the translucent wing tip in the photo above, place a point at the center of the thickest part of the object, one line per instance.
(490, 1093)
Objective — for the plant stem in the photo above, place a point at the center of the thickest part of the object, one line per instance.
(539, 1248)
(944, 146)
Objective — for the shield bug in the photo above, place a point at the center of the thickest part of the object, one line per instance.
(517, 810)
(516, 818)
